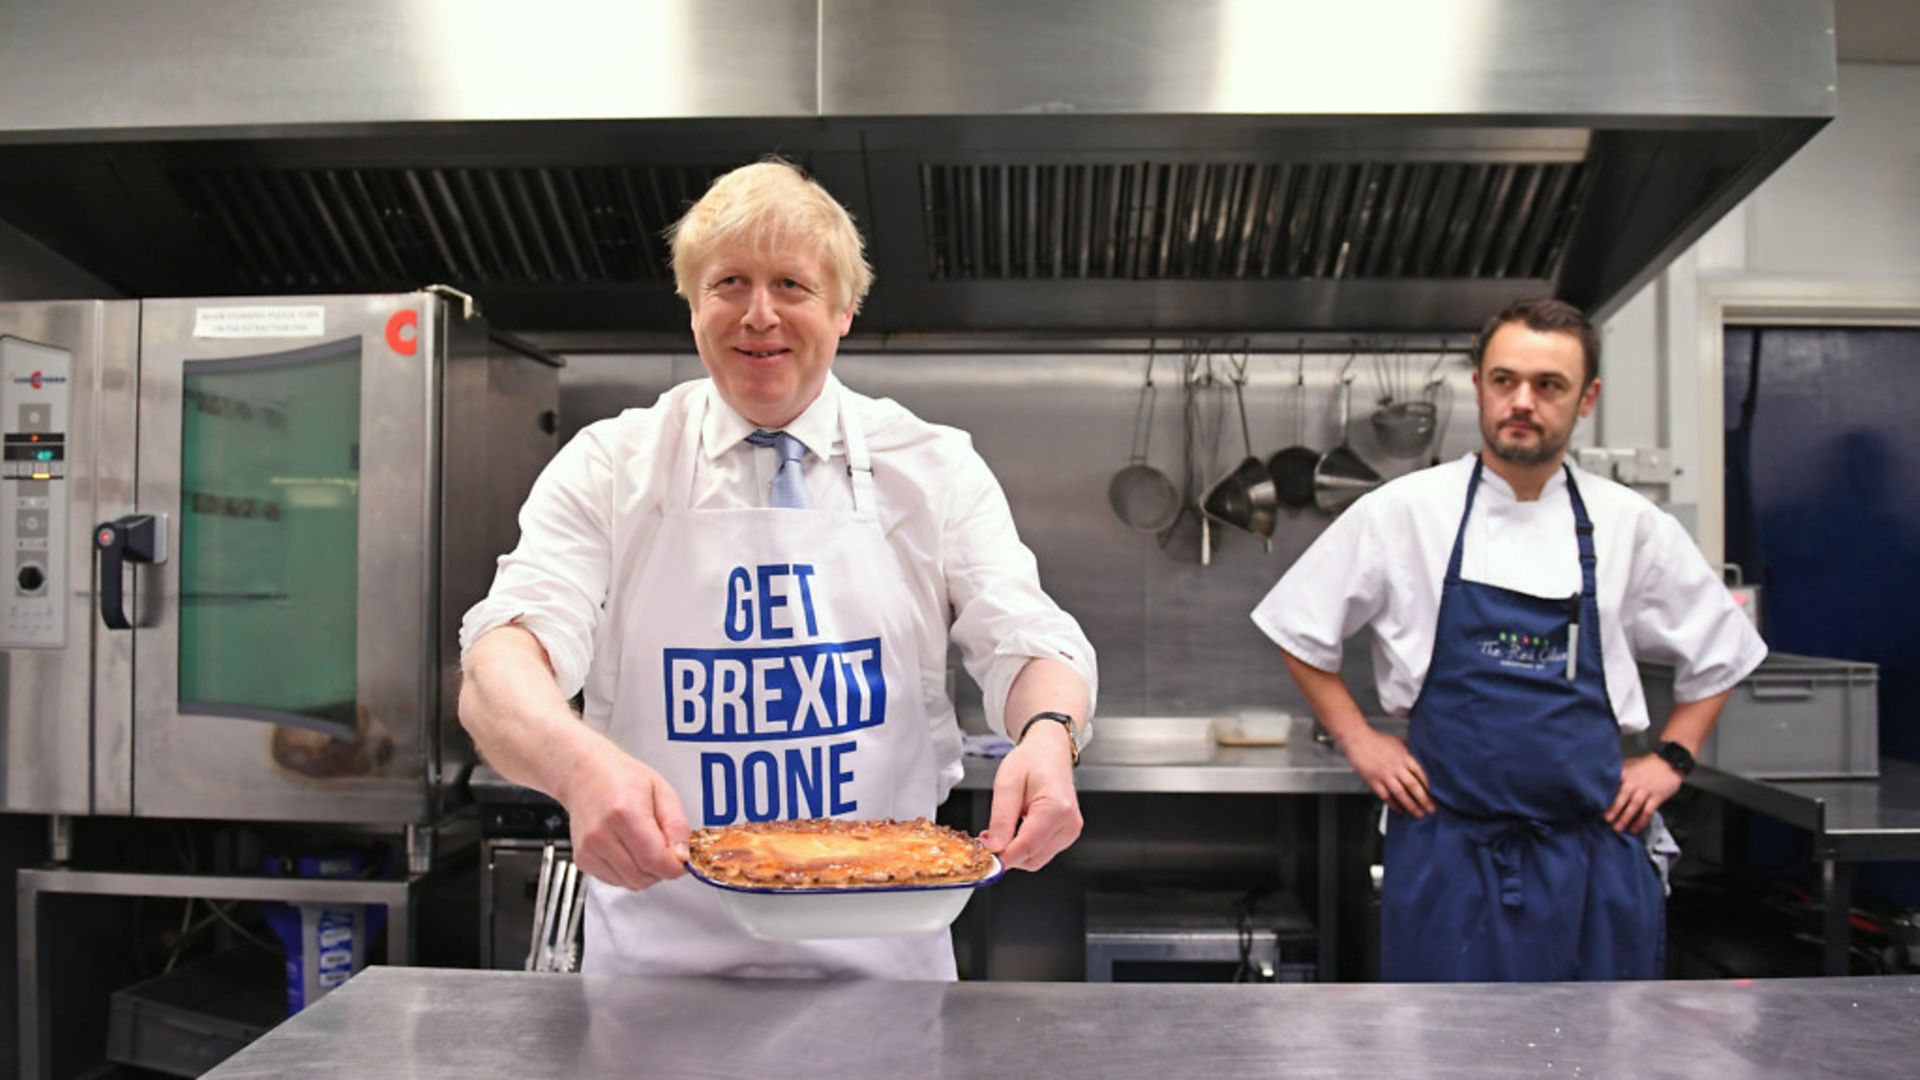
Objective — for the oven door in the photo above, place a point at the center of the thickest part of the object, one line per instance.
(284, 673)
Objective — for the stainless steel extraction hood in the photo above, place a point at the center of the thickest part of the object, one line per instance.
(1082, 166)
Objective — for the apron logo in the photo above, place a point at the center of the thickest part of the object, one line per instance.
(816, 691)
(1527, 652)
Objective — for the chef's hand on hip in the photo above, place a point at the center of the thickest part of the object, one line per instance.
(1036, 811)
(628, 827)
(1390, 769)
(1646, 783)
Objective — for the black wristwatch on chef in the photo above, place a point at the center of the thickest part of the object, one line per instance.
(1073, 738)
(1677, 756)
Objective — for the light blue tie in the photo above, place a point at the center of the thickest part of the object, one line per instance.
(789, 486)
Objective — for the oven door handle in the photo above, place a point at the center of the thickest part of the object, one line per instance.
(135, 538)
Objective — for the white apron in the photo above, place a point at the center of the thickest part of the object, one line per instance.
(771, 672)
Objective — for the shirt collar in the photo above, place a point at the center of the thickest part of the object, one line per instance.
(1497, 485)
(816, 427)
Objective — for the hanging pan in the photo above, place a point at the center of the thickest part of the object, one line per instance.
(1342, 475)
(1292, 469)
(1246, 497)
(1141, 495)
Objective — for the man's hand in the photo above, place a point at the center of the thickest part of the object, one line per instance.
(1390, 769)
(1645, 783)
(1036, 812)
(628, 827)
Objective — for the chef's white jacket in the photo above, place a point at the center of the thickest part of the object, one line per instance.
(590, 516)
(1382, 562)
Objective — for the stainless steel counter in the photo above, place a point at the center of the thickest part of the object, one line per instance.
(1148, 756)
(1179, 755)
(407, 1022)
(1853, 820)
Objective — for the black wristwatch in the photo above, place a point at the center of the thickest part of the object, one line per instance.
(1073, 743)
(1677, 756)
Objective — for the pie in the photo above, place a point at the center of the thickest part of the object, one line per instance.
(817, 853)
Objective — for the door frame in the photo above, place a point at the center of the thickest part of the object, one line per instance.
(1745, 300)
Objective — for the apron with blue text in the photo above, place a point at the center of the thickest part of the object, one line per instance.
(1517, 876)
(770, 673)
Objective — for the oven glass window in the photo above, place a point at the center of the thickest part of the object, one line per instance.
(269, 528)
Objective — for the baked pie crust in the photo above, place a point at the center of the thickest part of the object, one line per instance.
(826, 853)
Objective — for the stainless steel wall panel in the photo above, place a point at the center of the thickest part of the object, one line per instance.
(1173, 637)
(1516, 58)
(106, 66)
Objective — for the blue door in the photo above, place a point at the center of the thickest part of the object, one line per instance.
(1823, 503)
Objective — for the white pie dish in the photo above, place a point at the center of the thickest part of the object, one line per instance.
(846, 912)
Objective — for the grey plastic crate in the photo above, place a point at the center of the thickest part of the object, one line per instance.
(195, 1017)
(1794, 718)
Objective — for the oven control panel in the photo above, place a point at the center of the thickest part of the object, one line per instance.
(36, 397)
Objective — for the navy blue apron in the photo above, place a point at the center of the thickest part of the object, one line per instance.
(1517, 876)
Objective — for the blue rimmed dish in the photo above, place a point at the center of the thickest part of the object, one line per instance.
(853, 911)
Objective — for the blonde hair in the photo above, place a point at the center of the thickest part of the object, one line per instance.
(766, 206)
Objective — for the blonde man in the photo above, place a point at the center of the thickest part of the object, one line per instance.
(755, 581)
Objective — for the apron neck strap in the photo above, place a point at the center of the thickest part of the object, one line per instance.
(680, 487)
(1582, 528)
(1460, 534)
(859, 464)
(1583, 532)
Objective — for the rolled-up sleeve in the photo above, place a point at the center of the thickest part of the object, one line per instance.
(554, 581)
(1002, 617)
(1681, 613)
(1338, 585)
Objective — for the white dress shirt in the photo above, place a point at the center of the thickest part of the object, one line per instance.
(589, 520)
(1382, 563)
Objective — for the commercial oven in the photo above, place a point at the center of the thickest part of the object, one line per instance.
(242, 533)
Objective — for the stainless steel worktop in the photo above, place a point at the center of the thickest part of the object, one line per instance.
(408, 1022)
(1179, 755)
(1130, 754)
(1859, 819)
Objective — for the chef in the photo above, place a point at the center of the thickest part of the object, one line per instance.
(1510, 595)
(755, 581)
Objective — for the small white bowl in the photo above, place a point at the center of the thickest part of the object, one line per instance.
(855, 912)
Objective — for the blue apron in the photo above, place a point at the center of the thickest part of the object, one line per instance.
(1517, 876)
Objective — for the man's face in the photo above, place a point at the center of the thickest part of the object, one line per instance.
(1529, 390)
(767, 330)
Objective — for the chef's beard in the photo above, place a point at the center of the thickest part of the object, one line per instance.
(1540, 453)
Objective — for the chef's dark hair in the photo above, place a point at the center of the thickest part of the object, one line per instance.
(1546, 316)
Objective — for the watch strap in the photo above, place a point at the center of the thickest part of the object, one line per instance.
(1677, 756)
(1073, 744)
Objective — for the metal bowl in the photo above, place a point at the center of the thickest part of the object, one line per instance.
(1405, 428)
